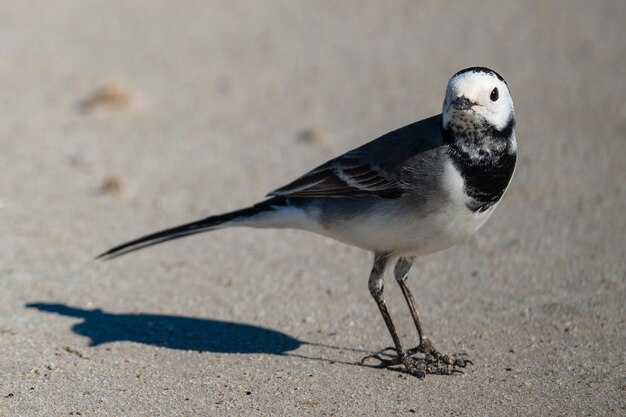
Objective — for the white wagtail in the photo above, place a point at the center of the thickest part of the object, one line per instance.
(416, 190)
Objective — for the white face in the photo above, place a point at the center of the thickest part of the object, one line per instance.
(487, 97)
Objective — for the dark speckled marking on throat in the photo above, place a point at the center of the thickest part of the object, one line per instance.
(488, 170)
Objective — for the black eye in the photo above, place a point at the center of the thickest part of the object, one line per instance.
(494, 95)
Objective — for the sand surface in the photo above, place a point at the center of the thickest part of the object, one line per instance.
(121, 118)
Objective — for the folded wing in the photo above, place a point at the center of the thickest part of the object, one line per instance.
(345, 177)
(386, 167)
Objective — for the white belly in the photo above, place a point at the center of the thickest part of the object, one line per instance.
(408, 235)
(395, 226)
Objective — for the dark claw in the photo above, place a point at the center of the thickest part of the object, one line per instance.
(462, 363)
(415, 367)
(445, 371)
(432, 356)
(418, 368)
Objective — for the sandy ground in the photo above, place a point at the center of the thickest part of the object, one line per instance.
(120, 118)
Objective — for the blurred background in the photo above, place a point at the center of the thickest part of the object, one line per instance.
(121, 118)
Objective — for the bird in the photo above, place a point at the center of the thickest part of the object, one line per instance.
(414, 191)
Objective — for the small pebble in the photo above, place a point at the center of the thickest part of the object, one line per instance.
(112, 186)
(109, 96)
(309, 136)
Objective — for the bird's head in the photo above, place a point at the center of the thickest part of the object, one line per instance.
(476, 96)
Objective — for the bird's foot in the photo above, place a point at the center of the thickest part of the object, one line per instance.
(433, 362)
(431, 355)
(417, 367)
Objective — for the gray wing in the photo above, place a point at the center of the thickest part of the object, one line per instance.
(349, 175)
(377, 169)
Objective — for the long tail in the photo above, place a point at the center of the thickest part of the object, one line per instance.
(199, 226)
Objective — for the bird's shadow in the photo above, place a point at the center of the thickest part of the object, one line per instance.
(188, 333)
(174, 332)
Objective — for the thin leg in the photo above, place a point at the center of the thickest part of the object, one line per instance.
(376, 287)
(414, 366)
(401, 272)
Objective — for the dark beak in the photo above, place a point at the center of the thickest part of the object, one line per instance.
(462, 103)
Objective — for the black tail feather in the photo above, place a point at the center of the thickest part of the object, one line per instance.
(188, 229)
